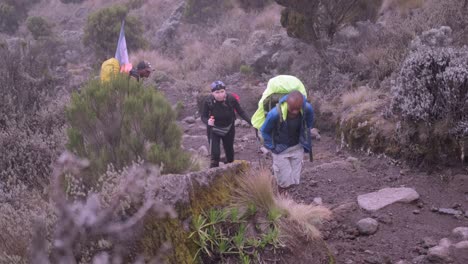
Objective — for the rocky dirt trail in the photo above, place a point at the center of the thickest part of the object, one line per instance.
(420, 231)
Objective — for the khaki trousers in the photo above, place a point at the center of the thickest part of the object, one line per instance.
(287, 166)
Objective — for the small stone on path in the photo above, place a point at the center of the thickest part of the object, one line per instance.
(461, 232)
(367, 226)
(189, 120)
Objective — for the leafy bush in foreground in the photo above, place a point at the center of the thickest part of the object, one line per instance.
(121, 121)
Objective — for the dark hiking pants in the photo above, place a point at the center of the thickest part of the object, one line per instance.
(228, 144)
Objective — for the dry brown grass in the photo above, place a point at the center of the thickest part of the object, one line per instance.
(199, 162)
(402, 6)
(268, 18)
(257, 187)
(194, 55)
(159, 61)
(358, 96)
(302, 218)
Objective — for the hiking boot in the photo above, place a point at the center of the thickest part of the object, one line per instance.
(284, 190)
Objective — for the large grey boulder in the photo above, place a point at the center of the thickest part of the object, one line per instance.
(262, 61)
(165, 35)
(377, 200)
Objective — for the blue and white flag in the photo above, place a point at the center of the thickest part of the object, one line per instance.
(121, 54)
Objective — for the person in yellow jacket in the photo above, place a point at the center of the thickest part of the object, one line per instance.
(111, 67)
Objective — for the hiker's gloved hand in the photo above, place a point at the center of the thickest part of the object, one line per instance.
(314, 133)
(211, 121)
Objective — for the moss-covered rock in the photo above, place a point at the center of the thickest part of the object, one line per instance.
(418, 143)
(190, 195)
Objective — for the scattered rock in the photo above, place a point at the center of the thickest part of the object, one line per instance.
(345, 208)
(313, 183)
(354, 161)
(257, 38)
(404, 171)
(384, 218)
(428, 242)
(261, 60)
(203, 151)
(373, 260)
(419, 260)
(377, 200)
(416, 211)
(449, 211)
(462, 245)
(367, 226)
(237, 123)
(461, 232)
(167, 31)
(318, 200)
(230, 43)
(445, 242)
(402, 262)
(438, 254)
(189, 120)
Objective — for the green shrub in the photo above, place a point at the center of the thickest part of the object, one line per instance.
(246, 69)
(39, 27)
(313, 21)
(103, 27)
(120, 122)
(12, 13)
(201, 10)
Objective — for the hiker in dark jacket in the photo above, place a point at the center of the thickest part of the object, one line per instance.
(286, 133)
(219, 115)
(142, 70)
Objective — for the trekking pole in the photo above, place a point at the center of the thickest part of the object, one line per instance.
(311, 155)
(262, 149)
(211, 137)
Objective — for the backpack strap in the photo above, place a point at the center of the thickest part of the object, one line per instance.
(280, 120)
(209, 102)
(280, 113)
